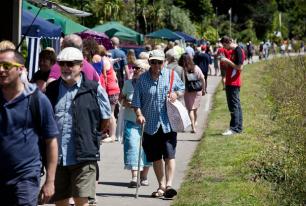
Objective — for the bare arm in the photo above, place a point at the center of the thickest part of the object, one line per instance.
(104, 124)
(239, 67)
(47, 189)
(139, 117)
(127, 72)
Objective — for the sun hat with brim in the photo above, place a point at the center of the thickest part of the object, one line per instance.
(70, 54)
(157, 54)
(141, 63)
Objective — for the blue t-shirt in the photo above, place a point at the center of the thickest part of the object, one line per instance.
(119, 54)
(19, 151)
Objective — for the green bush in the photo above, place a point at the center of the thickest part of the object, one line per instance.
(283, 163)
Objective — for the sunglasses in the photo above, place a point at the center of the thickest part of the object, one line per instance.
(69, 63)
(137, 68)
(156, 62)
(9, 65)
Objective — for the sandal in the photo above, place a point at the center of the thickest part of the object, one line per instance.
(158, 193)
(170, 192)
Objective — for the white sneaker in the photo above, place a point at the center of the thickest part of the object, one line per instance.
(228, 132)
(144, 182)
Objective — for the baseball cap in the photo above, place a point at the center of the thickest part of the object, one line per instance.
(157, 54)
(70, 54)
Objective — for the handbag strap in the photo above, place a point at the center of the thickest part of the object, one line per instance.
(171, 80)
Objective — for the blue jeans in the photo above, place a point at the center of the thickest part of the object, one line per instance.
(23, 193)
(233, 103)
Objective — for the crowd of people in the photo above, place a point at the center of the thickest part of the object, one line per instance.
(72, 105)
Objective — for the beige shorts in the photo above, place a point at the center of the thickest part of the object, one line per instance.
(75, 181)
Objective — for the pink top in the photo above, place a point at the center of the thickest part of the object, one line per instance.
(111, 86)
(88, 70)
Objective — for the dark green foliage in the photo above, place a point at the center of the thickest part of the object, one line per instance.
(155, 14)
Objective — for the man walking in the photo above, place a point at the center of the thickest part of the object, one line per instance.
(19, 151)
(149, 102)
(233, 83)
(120, 66)
(202, 60)
(82, 111)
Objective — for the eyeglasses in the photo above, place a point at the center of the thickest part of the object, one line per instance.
(156, 62)
(137, 68)
(69, 63)
(9, 65)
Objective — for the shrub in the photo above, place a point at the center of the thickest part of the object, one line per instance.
(283, 163)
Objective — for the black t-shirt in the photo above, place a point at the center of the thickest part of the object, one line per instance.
(238, 56)
(202, 60)
(40, 75)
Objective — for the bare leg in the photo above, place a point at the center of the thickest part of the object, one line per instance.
(144, 173)
(81, 201)
(112, 125)
(64, 202)
(195, 117)
(170, 168)
(134, 173)
(159, 172)
(223, 82)
(191, 115)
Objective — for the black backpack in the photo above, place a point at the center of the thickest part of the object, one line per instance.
(34, 108)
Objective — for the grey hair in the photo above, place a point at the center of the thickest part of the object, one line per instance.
(72, 40)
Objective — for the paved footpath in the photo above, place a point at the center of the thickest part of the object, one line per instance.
(113, 185)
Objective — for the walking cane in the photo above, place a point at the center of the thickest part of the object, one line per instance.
(139, 157)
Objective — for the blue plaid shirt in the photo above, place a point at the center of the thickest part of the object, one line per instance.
(151, 95)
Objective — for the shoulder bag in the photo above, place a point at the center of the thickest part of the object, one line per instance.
(177, 112)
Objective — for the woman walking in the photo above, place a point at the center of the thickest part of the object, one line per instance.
(192, 97)
(132, 130)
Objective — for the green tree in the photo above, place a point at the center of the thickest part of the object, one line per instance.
(248, 34)
(262, 13)
(180, 21)
(211, 35)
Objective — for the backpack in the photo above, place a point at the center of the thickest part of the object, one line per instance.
(34, 108)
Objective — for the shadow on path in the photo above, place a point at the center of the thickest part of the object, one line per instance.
(118, 184)
(121, 195)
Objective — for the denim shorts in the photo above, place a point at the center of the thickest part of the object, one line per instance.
(160, 145)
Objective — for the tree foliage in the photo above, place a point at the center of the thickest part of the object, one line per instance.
(196, 16)
(180, 21)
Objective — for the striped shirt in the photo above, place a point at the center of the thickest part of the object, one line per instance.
(151, 95)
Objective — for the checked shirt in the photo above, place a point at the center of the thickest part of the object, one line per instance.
(151, 95)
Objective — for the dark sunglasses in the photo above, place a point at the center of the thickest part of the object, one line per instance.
(9, 65)
(69, 63)
(137, 68)
(156, 62)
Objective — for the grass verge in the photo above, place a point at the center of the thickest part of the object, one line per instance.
(220, 172)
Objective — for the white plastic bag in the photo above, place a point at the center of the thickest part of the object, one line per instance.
(178, 116)
(120, 123)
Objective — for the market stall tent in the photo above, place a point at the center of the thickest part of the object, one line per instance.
(114, 28)
(165, 34)
(39, 28)
(68, 26)
(187, 37)
(100, 37)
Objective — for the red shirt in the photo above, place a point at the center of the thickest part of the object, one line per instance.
(111, 86)
(232, 77)
(223, 52)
